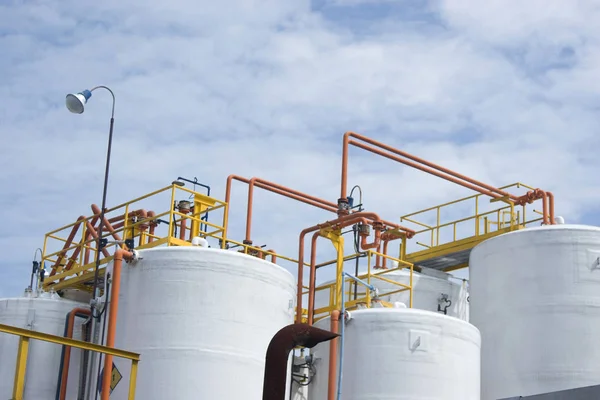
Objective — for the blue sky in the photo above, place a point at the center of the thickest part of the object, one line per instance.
(504, 91)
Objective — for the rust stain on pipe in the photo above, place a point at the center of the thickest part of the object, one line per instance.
(276, 360)
(120, 255)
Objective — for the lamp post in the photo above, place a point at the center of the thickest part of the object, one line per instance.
(76, 104)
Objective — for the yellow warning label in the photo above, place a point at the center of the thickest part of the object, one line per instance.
(115, 378)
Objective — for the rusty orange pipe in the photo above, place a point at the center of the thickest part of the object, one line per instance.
(88, 235)
(427, 170)
(94, 235)
(378, 257)
(340, 222)
(454, 177)
(304, 198)
(273, 256)
(551, 219)
(333, 356)
(183, 225)
(67, 353)
(120, 255)
(431, 170)
(106, 224)
(284, 193)
(548, 203)
(117, 218)
(384, 252)
(325, 205)
(544, 208)
(67, 244)
(275, 188)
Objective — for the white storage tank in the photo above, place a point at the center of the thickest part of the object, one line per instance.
(45, 313)
(401, 353)
(536, 301)
(202, 320)
(431, 289)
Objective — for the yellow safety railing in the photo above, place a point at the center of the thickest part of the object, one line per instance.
(260, 252)
(375, 277)
(69, 252)
(21, 365)
(506, 216)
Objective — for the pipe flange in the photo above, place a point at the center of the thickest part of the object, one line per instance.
(378, 226)
(364, 230)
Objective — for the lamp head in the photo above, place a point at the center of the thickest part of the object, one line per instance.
(76, 102)
(178, 183)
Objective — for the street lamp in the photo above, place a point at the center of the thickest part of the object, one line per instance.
(76, 104)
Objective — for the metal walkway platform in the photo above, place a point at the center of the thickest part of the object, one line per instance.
(447, 242)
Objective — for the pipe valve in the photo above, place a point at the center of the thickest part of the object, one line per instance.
(343, 206)
(364, 229)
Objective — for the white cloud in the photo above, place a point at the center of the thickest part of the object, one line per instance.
(503, 92)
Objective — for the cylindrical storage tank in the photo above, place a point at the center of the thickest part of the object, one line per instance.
(45, 313)
(403, 354)
(536, 301)
(202, 320)
(429, 289)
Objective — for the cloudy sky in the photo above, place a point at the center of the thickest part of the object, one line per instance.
(501, 90)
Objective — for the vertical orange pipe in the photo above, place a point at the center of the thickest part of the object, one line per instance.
(551, 207)
(120, 255)
(378, 257)
(183, 228)
(273, 256)
(67, 355)
(544, 208)
(333, 356)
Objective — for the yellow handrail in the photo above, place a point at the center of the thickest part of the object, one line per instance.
(430, 235)
(72, 256)
(25, 335)
(369, 277)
